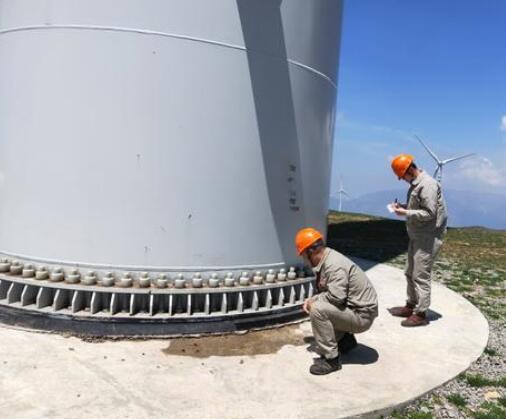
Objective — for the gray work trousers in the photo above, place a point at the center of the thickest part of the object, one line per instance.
(422, 253)
(329, 324)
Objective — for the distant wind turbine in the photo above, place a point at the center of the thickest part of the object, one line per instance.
(340, 194)
(438, 174)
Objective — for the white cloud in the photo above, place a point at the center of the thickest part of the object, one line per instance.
(482, 170)
(503, 123)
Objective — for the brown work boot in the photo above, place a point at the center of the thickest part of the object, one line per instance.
(404, 311)
(323, 366)
(416, 319)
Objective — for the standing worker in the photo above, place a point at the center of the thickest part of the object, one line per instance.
(426, 220)
(345, 302)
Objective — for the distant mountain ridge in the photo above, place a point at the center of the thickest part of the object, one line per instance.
(465, 208)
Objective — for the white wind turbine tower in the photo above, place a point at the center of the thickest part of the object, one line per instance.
(438, 174)
(340, 194)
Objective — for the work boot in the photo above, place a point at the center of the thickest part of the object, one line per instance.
(416, 319)
(347, 343)
(404, 311)
(324, 366)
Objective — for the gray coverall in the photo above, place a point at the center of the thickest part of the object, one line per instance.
(426, 221)
(346, 302)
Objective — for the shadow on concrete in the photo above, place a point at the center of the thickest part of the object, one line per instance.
(310, 340)
(375, 240)
(432, 315)
(364, 264)
(362, 354)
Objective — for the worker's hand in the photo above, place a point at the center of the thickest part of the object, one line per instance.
(400, 211)
(307, 305)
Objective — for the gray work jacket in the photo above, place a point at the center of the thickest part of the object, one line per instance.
(427, 215)
(343, 284)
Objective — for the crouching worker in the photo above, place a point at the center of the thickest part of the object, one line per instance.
(345, 303)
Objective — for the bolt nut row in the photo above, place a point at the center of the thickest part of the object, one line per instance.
(28, 271)
(16, 268)
(144, 280)
(57, 275)
(73, 277)
(41, 273)
(5, 265)
(90, 278)
(108, 279)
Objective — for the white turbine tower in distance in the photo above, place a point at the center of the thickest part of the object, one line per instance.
(438, 174)
(340, 194)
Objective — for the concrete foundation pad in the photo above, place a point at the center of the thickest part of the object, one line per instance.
(256, 375)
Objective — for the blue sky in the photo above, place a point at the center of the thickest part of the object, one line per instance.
(433, 67)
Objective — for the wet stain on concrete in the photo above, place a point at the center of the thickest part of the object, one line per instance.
(251, 343)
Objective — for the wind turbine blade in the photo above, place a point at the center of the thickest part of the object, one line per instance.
(436, 172)
(346, 194)
(427, 148)
(458, 158)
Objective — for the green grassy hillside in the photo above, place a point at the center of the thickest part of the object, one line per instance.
(382, 239)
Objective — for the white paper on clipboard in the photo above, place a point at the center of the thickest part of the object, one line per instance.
(390, 208)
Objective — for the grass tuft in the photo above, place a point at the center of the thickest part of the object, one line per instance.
(412, 415)
(490, 410)
(478, 380)
(457, 400)
(490, 351)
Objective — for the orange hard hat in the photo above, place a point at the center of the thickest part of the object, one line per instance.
(305, 238)
(401, 163)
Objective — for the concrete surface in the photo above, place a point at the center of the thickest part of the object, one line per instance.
(256, 375)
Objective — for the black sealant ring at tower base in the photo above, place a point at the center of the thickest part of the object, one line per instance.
(126, 327)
